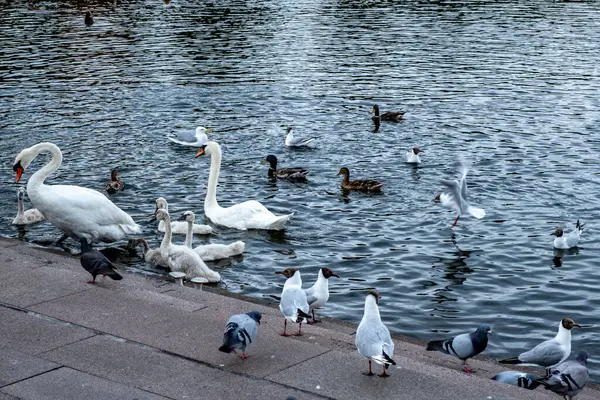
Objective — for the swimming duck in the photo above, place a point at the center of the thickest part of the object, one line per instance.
(88, 18)
(364, 185)
(115, 184)
(289, 174)
(393, 116)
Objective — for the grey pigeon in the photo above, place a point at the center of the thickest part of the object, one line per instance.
(569, 377)
(549, 353)
(240, 331)
(373, 339)
(96, 263)
(464, 346)
(518, 378)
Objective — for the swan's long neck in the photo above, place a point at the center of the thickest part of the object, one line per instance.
(189, 235)
(38, 178)
(20, 204)
(166, 241)
(215, 167)
(371, 309)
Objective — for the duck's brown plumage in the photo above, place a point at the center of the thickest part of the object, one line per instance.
(115, 184)
(394, 116)
(364, 185)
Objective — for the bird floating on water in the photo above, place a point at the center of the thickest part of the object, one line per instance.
(291, 141)
(196, 139)
(26, 217)
(89, 20)
(393, 116)
(363, 185)
(412, 156)
(566, 242)
(115, 184)
(288, 174)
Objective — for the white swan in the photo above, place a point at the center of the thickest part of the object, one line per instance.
(74, 210)
(191, 139)
(181, 258)
(180, 227)
(213, 251)
(26, 217)
(248, 215)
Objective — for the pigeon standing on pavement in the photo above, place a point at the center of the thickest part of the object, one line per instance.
(518, 378)
(240, 331)
(464, 346)
(549, 353)
(96, 263)
(569, 377)
(373, 339)
(293, 303)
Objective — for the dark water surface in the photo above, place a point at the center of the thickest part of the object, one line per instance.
(512, 86)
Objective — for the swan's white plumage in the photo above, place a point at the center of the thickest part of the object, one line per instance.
(181, 258)
(248, 215)
(213, 251)
(75, 210)
(26, 217)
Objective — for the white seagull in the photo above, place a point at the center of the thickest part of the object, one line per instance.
(549, 353)
(373, 339)
(293, 303)
(290, 141)
(566, 242)
(196, 139)
(412, 156)
(457, 198)
(318, 294)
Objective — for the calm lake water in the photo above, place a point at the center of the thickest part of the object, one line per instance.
(511, 86)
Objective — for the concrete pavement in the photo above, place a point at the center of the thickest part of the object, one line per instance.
(148, 338)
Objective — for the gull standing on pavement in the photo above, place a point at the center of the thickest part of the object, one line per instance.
(293, 303)
(318, 294)
(373, 339)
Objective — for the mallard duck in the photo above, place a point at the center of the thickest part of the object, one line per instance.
(393, 116)
(364, 185)
(289, 174)
(88, 18)
(115, 184)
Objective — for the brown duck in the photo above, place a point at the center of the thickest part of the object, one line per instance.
(393, 116)
(364, 185)
(288, 174)
(115, 184)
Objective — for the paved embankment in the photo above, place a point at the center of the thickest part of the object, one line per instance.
(148, 338)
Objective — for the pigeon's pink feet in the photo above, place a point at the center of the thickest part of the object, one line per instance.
(92, 282)
(244, 356)
(467, 369)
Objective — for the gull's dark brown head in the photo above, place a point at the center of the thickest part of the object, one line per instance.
(568, 323)
(288, 272)
(416, 150)
(558, 232)
(327, 273)
(375, 294)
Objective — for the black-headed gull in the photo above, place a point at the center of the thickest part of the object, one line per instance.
(412, 157)
(463, 346)
(293, 303)
(457, 197)
(373, 339)
(318, 294)
(549, 353)
(196, 139)
(566, 242)
(240, 331)
(291, 141)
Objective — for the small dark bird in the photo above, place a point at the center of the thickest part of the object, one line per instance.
(115, 184)
(288, 174)
(96, 263)
(364, 185)
(393, 116)
(463, 346)
(88, 18)
(240, 331)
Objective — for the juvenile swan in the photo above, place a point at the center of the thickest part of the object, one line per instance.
(180, 227)
(26, 217)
